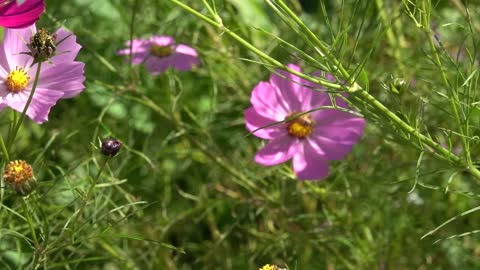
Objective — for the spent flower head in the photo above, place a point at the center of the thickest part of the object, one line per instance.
(42, 45)
(20, 15)
(161, 52)
(60, 77)
(19, 174)
(287, 112)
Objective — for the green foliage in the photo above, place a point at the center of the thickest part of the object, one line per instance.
(184, 192)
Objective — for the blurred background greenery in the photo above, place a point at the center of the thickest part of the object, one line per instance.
(186, 175)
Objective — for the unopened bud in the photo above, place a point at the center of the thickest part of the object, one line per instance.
(110, 147)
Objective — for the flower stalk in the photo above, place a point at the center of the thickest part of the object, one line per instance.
(352, 87)
(24, 112)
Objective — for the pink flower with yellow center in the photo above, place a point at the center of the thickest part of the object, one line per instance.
(60, 77)
(161, 52)
(20, 14)
(306, 134)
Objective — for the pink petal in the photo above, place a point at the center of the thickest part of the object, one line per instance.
(140, 50)
(315, 95)
(325, 116)
(178, 61)
(184, 49)
(268, 102)
(277, 151)
(40, 106)
(13, 15)
(309, 164)
(14, 44)
(185, 58)
(288, 88)
(157, 65)
(347, 130)
(332, 149)
(162, 40)
(255, 121)
(66, 78)
(68, 48)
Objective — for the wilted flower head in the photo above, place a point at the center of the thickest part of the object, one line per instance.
(60, 77)
(42, 45)
(14, 14)
(19, 174)
(161, 52)
(110, 147)
(310, 138)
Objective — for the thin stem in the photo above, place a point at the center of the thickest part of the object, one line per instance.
(354, 89)
(132, 24)
(24, 112)
(4, 150)
(92, 187)
(391, 36)
(78, 213)
(30, 221)
(258, 52)
(453, 98)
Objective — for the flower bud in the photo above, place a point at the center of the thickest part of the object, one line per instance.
(19, 174)
(110, 147)
(42, 45)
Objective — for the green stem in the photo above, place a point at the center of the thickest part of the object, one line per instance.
(132, 24)
(258, 52)
(354, 89)
(24, 112)
(4, 150)
(30, 221)
(391, 36)
(91, 188)
(85, 202)
(453, 98)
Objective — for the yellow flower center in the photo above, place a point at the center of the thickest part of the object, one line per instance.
(300, 126)
(17, 171)
(269, 267)
(161, 51)
(17, 80)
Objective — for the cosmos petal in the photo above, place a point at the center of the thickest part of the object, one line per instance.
(183, 57)
(67, 47)
(276, 151)
(309, 164)
(256, 122)
(288, 88)
(13, 15)
(268, 103)
(66, 78)
(14, 43)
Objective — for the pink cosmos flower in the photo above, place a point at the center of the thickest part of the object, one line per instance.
(311, 139)
(61, 77)
(16, 15)
(160, 52)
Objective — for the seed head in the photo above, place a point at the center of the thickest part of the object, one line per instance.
(42, 45)
(19, 174)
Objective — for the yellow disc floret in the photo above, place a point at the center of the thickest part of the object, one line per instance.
(269, 267)
(161, 51)
(300, 126)
(17, 80)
